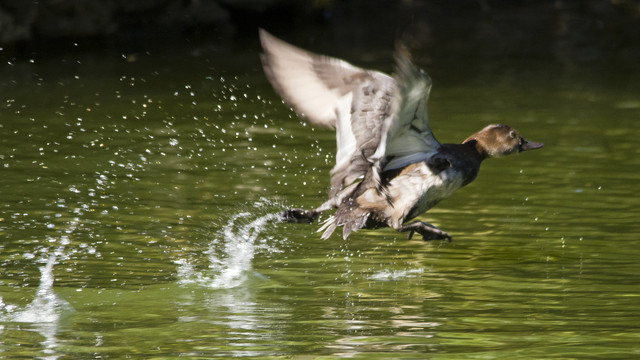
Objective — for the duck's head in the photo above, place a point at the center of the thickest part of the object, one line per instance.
(500, 140)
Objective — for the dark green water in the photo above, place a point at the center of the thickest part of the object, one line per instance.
(137, 218)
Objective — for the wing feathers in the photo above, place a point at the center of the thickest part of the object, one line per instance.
(381, 121)
(410, 134)
(312, 84)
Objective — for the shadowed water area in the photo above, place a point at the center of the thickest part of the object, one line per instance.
(140, 192)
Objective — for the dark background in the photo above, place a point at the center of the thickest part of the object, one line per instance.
(568, 31)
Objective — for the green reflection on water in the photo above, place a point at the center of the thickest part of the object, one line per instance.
(148, 176)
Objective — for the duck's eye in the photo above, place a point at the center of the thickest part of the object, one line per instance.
(513, 134)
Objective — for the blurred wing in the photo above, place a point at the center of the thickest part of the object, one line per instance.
(409, 138)
(312, 84)
(331, 92)
(373, 108)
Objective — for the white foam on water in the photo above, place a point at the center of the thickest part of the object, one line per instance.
(230, 253)
(386, 275)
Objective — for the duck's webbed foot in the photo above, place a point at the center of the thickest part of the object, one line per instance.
(309, 216)
(300, 216)
(428, 231)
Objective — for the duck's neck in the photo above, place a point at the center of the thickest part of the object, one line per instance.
(476, 148)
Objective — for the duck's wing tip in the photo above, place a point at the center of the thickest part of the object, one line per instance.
(293, 75)
(314, 85)
(410, 133)
(405, 69)
(263, 35)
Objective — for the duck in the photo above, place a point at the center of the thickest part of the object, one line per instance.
(390, 168)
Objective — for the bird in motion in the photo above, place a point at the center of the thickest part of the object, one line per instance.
(389, 166)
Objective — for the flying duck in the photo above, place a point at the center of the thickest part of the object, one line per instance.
(389, 166)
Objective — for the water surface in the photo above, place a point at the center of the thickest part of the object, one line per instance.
(140, 192)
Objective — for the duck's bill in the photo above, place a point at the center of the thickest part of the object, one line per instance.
(529, 145)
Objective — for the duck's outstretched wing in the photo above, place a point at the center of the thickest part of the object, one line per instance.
(330, 92)
(409, 139)
(312, 84)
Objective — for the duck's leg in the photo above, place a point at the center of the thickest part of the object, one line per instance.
(428, 231)
(300, 216)
(308, 216)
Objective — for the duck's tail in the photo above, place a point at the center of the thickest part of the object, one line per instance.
(328, 227)
(358, 205)
(349, 215)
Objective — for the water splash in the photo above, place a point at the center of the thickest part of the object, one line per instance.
(44, 311)
(231, 253)
(46, 308)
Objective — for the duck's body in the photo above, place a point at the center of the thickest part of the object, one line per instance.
(407, 192)
(383, 138)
